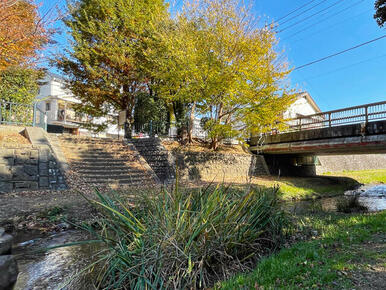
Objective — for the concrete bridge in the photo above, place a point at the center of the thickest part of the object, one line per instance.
(353, 130)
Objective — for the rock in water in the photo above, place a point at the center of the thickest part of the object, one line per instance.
(5, 244)
(8, 271)
(374, 199)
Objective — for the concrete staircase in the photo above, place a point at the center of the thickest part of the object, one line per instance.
(105, 161)
(156, 156)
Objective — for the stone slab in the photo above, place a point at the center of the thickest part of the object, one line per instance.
(8, 271)
(6, 186)
(5, 244)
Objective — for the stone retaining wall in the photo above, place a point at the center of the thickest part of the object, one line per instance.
(218, 167)
(335, 163)
(29, 167)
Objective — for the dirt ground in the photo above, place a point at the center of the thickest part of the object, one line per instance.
(30, 210)
(11, 137)
(370, 264)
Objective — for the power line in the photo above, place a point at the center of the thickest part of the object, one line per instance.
(341, 52)
(330, 26)
(313, 25)
(345, 67)
(312, 15)
(297, 9)
(301, 13)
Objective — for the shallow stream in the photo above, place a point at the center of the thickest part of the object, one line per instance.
(53, 269)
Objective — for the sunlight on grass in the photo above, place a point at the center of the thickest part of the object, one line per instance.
(297, 188)
(325, 262)
(363, 176)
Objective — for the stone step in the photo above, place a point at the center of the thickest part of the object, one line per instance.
(90, 147)
(99, 160)
(157, 163)
(97, 167)
(101, 155)
(122, 181)
(113, 177)
(90, 143)
(113, 171)
(111, 163)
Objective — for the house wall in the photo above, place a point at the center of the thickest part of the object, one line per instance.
(300, 106)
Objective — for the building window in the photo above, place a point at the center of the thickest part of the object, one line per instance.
(48, 106)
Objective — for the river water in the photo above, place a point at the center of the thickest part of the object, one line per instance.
(53, 269)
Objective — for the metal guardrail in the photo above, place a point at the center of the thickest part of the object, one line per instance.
(22, 114)
(346, 116)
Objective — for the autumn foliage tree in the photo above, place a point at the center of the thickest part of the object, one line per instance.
(211, 59)
(105, 64)
(22, 33)
(226, 68)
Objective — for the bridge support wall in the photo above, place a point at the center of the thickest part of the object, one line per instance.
(291, 165)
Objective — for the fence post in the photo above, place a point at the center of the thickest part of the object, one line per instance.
(300, 123)
(34, 116)
(329, 120)
(45, 121)
(367, 114)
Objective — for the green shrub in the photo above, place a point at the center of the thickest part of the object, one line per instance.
(188, 239)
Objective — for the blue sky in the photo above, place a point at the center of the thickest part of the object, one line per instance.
(350, 79)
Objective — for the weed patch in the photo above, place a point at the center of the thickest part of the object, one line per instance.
(187, 239)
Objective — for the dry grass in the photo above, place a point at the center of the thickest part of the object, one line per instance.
(204, 147)
(12, 137)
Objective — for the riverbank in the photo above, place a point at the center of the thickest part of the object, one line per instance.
(343, 252)
(26, 206)
(325, 247)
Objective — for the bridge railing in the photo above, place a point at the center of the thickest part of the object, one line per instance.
(351, 115)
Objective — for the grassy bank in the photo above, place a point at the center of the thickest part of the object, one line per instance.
(348, 251)
(296, 188)
(363, 176)
(333, 183)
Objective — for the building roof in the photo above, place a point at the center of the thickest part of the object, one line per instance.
(310, 100)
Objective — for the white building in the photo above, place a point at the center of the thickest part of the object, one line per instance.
(58, 102)
(304, 105)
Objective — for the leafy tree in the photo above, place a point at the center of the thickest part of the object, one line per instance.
(150, 111)
(380, 12)
(22, 32)
(19, 85)
(107, 61)
(239, 79)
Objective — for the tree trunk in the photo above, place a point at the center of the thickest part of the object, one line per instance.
(191, 123)
(172, 120)
(214, 143)
(128, 132)
(128, 125)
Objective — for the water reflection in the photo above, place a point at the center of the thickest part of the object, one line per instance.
(372, 198)
(54, 268)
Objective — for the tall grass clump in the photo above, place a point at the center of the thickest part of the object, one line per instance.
(185, 239)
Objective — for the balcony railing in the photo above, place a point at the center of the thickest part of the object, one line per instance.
(352, 115)
(70, 116)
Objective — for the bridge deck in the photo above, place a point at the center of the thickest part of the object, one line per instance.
(361, 137)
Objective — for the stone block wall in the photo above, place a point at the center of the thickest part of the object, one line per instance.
(335, 163)
(28, 167)
(218, 167)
